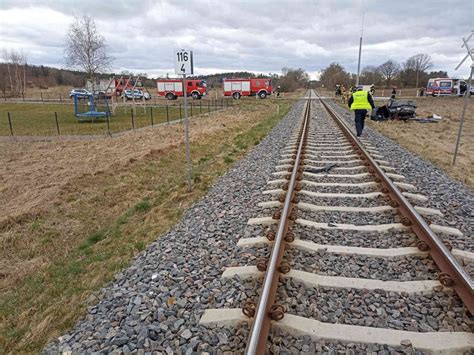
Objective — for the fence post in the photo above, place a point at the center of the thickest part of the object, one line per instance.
(200, 107)
(209, 107)
(180, 117)
(60, 98)
(151, 115)
(167, 114)
(10, 123)
(57, 123)
(108, 124)
(41, 97)
(191, 108)
(133, 119)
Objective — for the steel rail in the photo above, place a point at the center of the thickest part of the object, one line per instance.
(453, 275)
(261, 325)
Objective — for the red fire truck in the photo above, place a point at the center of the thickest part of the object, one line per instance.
(173, 88)
(248, 87)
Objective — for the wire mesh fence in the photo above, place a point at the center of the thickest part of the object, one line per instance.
(56, 119)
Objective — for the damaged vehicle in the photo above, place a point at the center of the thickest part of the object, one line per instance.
(395, 110)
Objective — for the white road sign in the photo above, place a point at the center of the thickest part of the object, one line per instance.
(183, 62)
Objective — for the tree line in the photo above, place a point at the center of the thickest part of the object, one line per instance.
(411, 73)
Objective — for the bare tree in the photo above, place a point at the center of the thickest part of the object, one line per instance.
(420, 63)
(389, 70)
(371, 75)
(6, 58)
(85, 47)
(292, 79)
(16, 67)
(335, 74)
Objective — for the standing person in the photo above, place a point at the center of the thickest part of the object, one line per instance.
(360, 102)
(344, 94)
(278, 90)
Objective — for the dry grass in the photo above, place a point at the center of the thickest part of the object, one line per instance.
(37, 119)
(77, 212)
(435, 142)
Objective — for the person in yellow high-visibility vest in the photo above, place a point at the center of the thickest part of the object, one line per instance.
(359, 102)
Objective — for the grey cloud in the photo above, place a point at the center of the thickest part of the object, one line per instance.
(253, 35)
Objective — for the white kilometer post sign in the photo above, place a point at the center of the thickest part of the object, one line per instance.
(183, 65)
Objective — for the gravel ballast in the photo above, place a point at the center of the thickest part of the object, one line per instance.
(156, 303)
(437, 311)
(159, 300)
(451, 197)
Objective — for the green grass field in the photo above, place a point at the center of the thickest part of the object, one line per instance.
(39, 119)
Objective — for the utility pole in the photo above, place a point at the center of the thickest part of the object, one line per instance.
(470, 53)
(360, 49)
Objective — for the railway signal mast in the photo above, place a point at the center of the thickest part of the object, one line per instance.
(470, 53)
(183, 65)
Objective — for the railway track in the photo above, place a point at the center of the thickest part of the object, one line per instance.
(340, 235)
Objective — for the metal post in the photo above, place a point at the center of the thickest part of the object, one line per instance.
(360, 50)
(358, 62)
(41, 97)
(461, 124)
(180, 115)
(209, 107)
(167, 114)
(186, 130)
(10, 123)
(60, 98)
(191, 109)
(108, 124)
(57, 123)
(470, 53)
(133, 119)
(151, 115)
(200, 107)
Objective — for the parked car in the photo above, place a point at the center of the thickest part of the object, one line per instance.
(101, 94)
(80, 93)
(138, 94)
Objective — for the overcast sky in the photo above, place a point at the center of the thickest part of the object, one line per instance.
(258, 36)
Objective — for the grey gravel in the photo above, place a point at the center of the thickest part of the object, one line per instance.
(285, 343)
(437, 311)
(156, 303)
(390, 239)
(179, 275)
(361, 266)
(453, 198)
